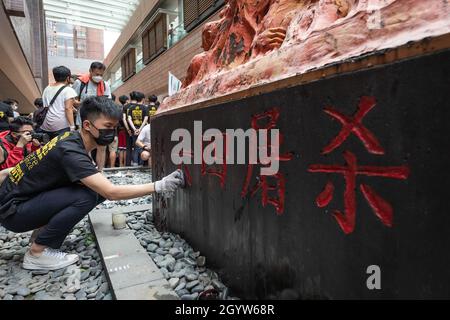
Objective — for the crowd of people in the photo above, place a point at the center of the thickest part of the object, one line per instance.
(51, 160)
(57, 112)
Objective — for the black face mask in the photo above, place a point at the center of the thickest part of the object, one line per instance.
(106, 136)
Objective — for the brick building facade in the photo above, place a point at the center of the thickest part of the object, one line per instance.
(147, 70)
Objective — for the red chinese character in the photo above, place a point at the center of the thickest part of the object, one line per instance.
(262, 183)
(221, 174)
(354, 125)
(184, 168)
(382, 209)
(280, 187)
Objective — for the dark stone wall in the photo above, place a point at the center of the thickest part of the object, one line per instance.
(260, 252)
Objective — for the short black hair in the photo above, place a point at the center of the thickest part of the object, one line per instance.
(136, 95)
(19, 122)
(10, 101)
(93, 107)
(38, 102)
(123, 99)
(153, 98)
(61, 73)
(97, 65)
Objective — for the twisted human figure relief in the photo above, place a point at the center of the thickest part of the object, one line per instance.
(260, 41)
(250, 28)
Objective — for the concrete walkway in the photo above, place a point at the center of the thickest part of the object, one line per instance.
(130, 271)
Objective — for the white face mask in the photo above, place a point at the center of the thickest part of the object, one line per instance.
(15, 107)
(97, 79)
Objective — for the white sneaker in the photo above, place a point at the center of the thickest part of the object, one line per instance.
(50, 259)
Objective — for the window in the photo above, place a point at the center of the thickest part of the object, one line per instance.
(64, 28)
(195, 11)
(129, 64)
(81, 47)
(14, 8)
(154, 39)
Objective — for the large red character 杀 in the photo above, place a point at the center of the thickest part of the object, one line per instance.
(382, 209)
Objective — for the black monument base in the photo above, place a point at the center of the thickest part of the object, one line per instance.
(365, 178)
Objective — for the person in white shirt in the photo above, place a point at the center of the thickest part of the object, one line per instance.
(144, 141)
(93, 85)
(59, 118)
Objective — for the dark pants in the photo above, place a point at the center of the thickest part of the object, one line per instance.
(57, 211)
(129, 151)
(54, 133)
(136, 152)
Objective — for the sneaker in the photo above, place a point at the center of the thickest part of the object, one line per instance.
(50, 260)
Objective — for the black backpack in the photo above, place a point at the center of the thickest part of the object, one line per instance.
(40, 114)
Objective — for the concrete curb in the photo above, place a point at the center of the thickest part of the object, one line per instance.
(130, 271)
(140, 168)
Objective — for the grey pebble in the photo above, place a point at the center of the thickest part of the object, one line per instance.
(191, 276)
(193, 296)
(23, 291)
(198, 288)
(192, 284)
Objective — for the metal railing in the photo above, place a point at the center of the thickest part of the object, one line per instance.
(175, 35)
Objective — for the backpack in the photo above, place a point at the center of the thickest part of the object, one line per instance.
(82, 87)
(40, 114)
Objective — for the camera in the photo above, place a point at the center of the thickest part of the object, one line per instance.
(41, 137)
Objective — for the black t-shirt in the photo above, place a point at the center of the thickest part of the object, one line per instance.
(6, 112)
(152, 108)
(121, 126)
(60, 163)
(138, 112)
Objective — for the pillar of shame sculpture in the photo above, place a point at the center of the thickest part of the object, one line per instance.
(256, 42)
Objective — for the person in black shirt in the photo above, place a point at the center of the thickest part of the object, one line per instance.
(125, 101)
(6, 116)
(125, 135)
(137, 115)
(58, 185)
(153, 105)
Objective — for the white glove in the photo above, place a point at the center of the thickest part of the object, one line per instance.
(169, 184)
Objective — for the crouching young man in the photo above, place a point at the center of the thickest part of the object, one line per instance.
(144, 142)
(58, 185)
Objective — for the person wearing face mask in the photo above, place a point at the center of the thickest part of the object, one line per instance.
(55, 187)
(59, 99)
(6, 116)
(92, 85)
(18, 142)
(14, 105)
